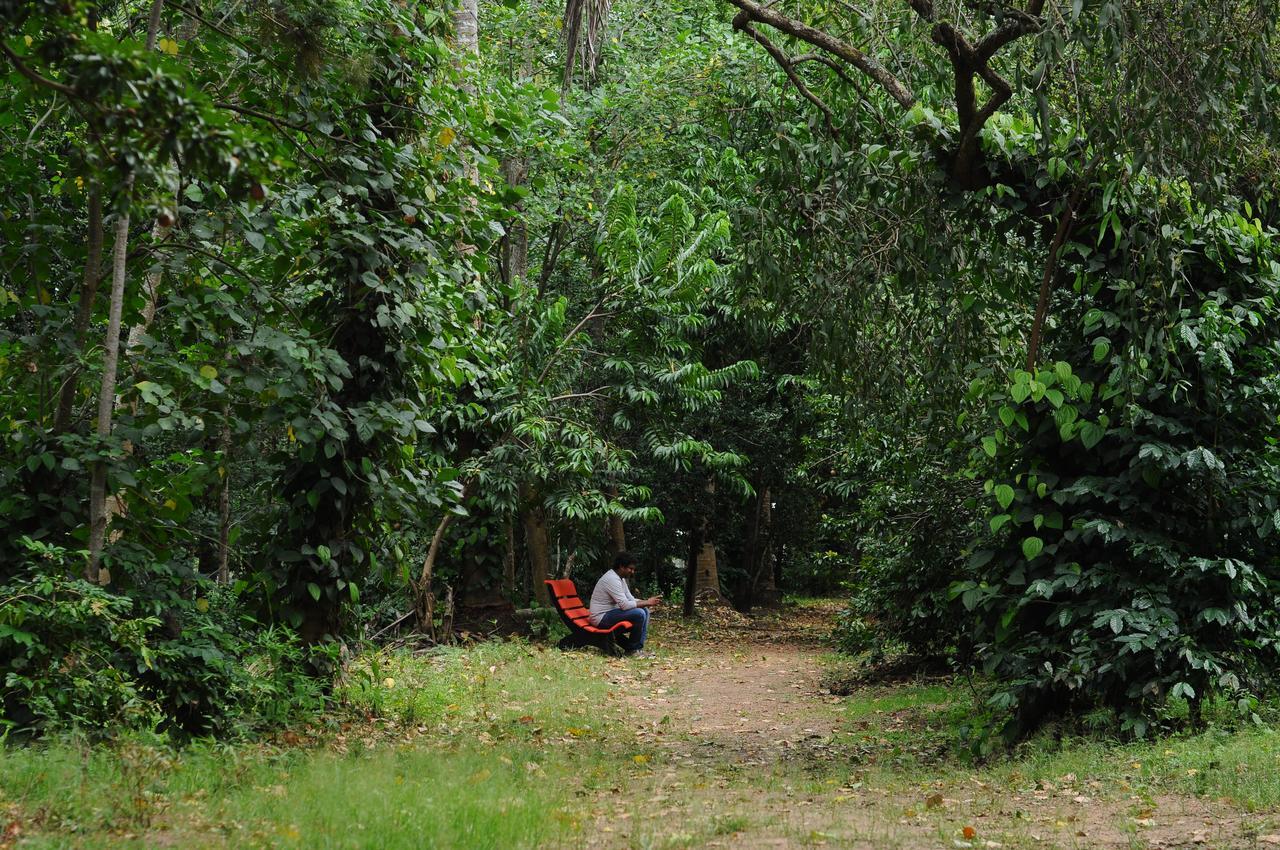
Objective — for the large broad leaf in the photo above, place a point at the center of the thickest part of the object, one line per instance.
(1091, 434)
(1004, 495)
(1031, 547)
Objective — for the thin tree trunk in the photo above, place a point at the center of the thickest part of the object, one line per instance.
(163, 226)
(446, 620)
(424, 599)
(691, 568)
(509, 559)
(617, 530)
(224, 501)
(764, 587)
(515, 245)
(1046, 282)
(111, 359)
(151, 291)
(107, 394)
(751, 551)
(708, 573)
(84, 311)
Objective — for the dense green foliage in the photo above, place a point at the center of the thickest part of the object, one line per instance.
(977, 328)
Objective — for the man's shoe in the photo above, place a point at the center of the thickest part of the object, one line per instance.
(641, 653)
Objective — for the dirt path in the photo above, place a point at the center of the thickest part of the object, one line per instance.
(737, 745)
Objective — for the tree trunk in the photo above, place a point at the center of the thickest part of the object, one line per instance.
(151, 291)
(107, 393)
(707, 574)
(466, 32)
(515, 245)
(617, 530)
(424, 599)
(84, 311)
(751, 549)
(111, 359)
(224, 501)
(764, 588)
(538, 544)
(509, 559)
(691, 568)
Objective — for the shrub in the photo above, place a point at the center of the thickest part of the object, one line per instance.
(79, 656)
(1132, 547)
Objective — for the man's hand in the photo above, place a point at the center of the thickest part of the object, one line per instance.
(652, 601)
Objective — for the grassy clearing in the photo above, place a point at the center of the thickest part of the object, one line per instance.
(510, 745)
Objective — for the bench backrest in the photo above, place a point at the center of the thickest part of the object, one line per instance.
(564, 596)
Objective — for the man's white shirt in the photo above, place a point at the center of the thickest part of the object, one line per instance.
(611, 592)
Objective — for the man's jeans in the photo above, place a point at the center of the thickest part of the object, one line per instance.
(639, 618)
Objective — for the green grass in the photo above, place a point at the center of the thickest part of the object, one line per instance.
(909, 730)
(462, 748)
(507, 745)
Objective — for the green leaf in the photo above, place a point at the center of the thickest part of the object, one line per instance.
(989, 446)
(1101, 349)
(1006, 415)
(1031, 547)
(314, 590)
(998, 521)
(1004, 495)
(1091, 434)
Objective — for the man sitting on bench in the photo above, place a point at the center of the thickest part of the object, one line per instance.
(612, 601)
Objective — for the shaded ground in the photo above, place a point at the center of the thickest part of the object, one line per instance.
(738, 745)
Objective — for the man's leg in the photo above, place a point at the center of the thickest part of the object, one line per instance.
(639, 618)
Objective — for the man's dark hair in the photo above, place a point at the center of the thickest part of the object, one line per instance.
(624, 559)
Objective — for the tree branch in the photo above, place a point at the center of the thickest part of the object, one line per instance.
(825, 60)
(33, 76)
(1046, 282)
(894, 87)
(742, 23)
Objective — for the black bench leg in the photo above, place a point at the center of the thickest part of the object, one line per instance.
(573, 641)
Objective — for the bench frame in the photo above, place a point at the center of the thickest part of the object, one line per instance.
(565, 599)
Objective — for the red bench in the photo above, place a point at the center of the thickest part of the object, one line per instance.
(564, 597)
